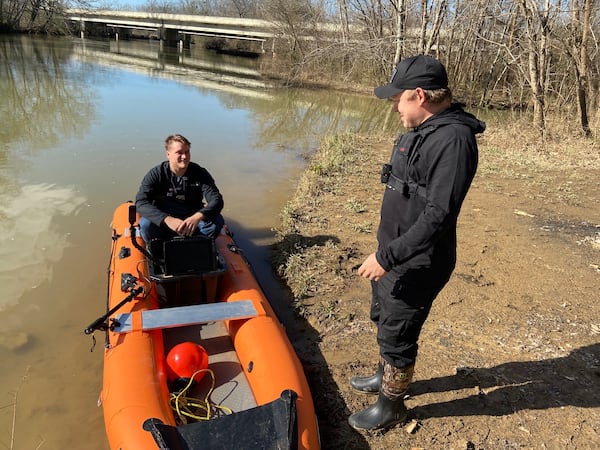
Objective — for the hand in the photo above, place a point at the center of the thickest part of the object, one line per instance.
(173, 223)
(185, 227)
(188, 226)
(371, 269)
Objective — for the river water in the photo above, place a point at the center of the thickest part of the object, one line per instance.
(81, 123)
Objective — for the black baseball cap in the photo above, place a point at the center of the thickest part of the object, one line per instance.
(422, 71)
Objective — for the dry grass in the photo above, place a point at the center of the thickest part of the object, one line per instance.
(514, 145)
(345, 165)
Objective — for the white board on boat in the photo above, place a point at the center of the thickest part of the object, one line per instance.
(180, 316)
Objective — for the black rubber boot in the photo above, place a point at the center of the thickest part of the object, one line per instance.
(389, 410)
(382, 415)
(370, 384)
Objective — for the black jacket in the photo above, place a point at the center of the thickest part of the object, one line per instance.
(162, 194)
(432, 168)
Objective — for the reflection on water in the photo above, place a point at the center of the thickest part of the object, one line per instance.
(149, 58)
(30, 244)
(289, 113)
(40, 104)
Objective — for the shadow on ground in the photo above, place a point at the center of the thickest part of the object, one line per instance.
(573, 380)
(330, 406)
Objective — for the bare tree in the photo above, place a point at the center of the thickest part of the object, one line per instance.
(463, 40)
(424, 24)
(503, 39)
(297, 19)
(200, 7)
(580, 31)
(438, 20)
(537, 30)
(11, 14)
(400, 14)
(343, 18)
(371, 15)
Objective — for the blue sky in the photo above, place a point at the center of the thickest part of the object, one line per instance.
(124, 5)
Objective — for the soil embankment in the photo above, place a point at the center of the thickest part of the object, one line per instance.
(510, 356)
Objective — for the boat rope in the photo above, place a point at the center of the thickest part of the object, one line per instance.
(193, 408)
(109, 273)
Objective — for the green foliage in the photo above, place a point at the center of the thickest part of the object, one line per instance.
(336, 153)
(355, 206)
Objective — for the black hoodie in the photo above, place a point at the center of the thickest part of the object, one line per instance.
(160, 195)
(436, 161)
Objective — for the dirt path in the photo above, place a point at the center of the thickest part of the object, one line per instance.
(510, 356)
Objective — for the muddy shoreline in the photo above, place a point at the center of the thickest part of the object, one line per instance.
(510, 356)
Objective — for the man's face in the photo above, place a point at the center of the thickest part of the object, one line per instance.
(178, 155)
(408, 104)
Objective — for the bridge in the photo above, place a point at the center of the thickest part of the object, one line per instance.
(176, 29)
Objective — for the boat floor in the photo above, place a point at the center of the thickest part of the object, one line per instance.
(231, 389)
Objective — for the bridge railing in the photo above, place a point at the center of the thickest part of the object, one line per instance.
(185, 23)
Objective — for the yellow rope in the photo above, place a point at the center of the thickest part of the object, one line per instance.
(189, 407)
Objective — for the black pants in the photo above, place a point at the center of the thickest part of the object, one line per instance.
(400, 305)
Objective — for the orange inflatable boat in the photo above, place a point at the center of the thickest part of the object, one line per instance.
(195, 357)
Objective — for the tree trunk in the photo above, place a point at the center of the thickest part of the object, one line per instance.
(440, 14)
(400, 28)
(343, 15)
(537, 40)
(424, 23)
(581, 29)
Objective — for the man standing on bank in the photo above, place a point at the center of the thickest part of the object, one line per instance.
(427, 179)
(178, 197)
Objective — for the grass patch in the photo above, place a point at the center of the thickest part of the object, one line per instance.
(364, 227)
(341, 189)
(335, 156)
(355, 206)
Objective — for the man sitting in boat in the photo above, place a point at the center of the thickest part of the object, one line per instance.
(178, 197)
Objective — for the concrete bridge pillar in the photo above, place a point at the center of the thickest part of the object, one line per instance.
(170, 37)
(122, 33)
(184, 42)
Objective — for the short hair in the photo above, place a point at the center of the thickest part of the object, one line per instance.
(437, 96)
(176, 138)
